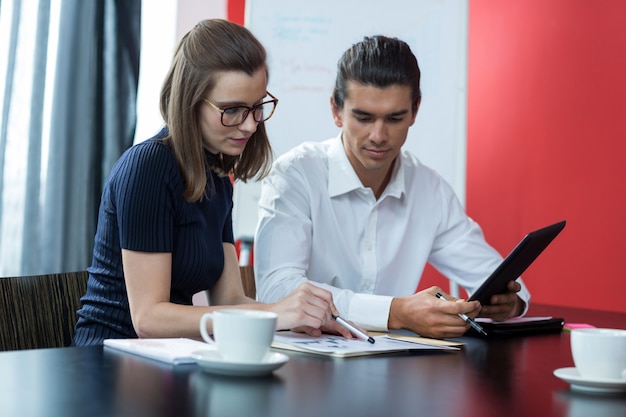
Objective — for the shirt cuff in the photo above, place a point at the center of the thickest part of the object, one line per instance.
(524, 294)
(370, 312)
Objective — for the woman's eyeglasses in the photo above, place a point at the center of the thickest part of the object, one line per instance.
(236, 115)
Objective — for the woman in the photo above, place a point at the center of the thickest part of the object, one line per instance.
(164, 226)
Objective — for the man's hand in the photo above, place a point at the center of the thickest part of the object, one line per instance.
(427, 315)
(504, 306)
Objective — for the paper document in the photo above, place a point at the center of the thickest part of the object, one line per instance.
(175, 350)
(339, 346)
(525, 319)
(425, 340)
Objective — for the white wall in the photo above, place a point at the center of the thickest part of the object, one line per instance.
(163, 23)
(191, 12)
(305, 40)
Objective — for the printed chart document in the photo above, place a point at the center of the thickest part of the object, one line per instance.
(339, 346)
(175, 350)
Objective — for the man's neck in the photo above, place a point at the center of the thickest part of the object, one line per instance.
(376, 181)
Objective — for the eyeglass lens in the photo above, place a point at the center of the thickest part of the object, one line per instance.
(233, 116)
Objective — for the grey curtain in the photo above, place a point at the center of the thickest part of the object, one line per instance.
(93, 122)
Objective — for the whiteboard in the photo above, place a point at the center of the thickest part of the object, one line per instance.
(304, 41)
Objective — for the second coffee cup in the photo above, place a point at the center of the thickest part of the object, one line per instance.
(599, 353)
(240, 335)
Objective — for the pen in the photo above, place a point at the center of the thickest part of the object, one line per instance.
(465, 317)
(354, 329)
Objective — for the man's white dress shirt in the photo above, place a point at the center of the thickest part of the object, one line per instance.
(318, 222)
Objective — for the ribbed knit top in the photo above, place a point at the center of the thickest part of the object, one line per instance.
(143, 209)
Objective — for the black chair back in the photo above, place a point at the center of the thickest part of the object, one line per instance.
(247, 279)
(40, 311)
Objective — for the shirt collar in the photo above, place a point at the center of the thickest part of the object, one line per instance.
(342, 179)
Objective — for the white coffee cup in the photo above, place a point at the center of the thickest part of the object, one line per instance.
(599, 353)
(240, 335)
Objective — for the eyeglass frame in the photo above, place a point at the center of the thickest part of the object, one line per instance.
(247, 112)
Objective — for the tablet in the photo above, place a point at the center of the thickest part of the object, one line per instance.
(520, 258)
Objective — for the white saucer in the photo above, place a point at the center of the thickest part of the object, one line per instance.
(212, 362)
(598, 385)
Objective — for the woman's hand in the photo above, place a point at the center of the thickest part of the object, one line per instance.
(309, 309)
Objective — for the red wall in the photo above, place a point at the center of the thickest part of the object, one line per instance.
(235, 11)
(547, 140)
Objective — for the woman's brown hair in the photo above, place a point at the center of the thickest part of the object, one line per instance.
(212, 46)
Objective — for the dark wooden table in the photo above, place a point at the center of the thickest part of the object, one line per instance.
(498, 377)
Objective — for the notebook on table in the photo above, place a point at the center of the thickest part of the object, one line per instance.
(175, 351)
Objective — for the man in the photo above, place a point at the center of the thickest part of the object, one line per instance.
(359, 216)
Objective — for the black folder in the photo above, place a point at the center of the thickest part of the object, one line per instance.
(520, 328)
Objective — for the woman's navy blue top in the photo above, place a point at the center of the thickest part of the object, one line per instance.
(143, 209)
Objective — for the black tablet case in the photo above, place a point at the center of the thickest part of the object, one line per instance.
(548, 325)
